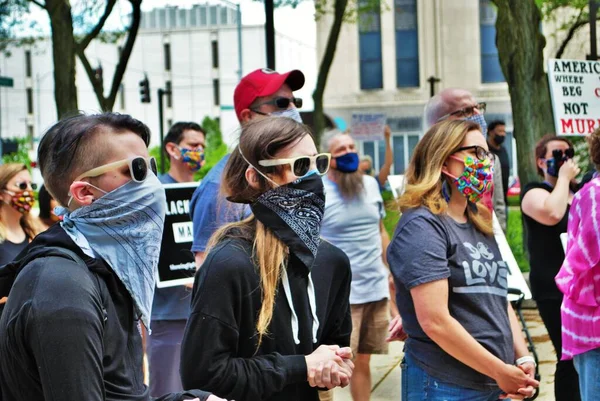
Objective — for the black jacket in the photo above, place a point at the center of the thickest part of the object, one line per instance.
(219, 349)
(69, 332)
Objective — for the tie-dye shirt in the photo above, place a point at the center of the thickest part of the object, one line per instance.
(579, 276)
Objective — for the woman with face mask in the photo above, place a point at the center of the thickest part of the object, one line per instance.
(545, 206)
(270, 315)
(463, 337)
(17, 225)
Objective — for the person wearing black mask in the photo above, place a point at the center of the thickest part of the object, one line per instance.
(270, 315)
(495, 140)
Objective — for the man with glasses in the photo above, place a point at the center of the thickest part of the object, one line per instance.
(262, 93)
(460, 104)
(81, 291)
(184, 144)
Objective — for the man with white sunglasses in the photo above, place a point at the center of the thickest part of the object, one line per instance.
(81, 291)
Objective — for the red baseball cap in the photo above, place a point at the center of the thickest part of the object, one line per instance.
(263, 82)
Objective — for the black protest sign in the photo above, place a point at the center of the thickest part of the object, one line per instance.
(176, 265)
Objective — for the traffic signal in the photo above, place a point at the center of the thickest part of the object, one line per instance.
(145, 90)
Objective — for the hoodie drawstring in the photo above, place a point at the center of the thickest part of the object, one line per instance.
(310, 289)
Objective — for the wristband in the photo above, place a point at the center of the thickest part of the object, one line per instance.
(525, 359)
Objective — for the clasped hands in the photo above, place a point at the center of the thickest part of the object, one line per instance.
(329, 366)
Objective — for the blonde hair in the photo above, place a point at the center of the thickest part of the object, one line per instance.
(28, 223)
(259, 140)
(424, 178)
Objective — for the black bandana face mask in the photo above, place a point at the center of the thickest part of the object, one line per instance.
(294, 213)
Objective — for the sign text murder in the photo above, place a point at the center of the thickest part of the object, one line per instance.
(575, 89)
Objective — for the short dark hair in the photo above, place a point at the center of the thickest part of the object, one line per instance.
(541, 148)
(175, 134)
(44, 199)
(492, 126)
(67, 148)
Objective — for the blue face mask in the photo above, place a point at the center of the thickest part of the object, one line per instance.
(478, 118)
(124, 227)
(292, 113)
(347, 163)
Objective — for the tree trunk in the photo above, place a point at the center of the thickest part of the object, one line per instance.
(334, 34)
(520, 45)
(63, 51)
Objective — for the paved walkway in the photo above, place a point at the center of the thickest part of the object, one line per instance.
(385, 369)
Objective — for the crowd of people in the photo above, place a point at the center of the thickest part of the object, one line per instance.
(298, 282)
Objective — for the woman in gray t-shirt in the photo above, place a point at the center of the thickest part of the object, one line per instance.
(463, 336)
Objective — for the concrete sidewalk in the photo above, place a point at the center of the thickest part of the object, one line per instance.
(385, 369)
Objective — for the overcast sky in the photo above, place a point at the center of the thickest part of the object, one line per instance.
(298, 23)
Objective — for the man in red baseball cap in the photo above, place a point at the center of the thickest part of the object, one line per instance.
(259, 94)
(265, 92)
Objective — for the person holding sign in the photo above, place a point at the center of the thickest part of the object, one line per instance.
(545, 206)
(80, 292)
(184, 144)
(270, 304)
(578, 281)
(464, 339)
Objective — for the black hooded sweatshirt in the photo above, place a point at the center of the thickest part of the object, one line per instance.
(69, 332)
(219, 350)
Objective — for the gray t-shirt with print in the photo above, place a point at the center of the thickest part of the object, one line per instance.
(428, 247)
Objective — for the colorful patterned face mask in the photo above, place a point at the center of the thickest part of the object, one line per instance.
(193, 158)
(476, 178)
(21, 201)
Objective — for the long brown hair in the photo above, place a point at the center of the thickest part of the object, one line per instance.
(259, 140)
(28, 223)
(424, 177)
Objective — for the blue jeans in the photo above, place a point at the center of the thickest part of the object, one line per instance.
(417, 385)
(588, 367)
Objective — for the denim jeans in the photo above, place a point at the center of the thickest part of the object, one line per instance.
(588, 367)
(417, 385)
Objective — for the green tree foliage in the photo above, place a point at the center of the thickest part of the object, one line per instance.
(21, 155)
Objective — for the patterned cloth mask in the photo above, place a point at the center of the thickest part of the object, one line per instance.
(21, 201)
(476, 178)
(193, 158)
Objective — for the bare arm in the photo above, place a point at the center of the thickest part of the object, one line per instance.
(384, 171)
(549, 208)
(431, 300)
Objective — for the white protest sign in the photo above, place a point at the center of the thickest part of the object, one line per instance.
(575, 92)
(396, 184)
(368, 127)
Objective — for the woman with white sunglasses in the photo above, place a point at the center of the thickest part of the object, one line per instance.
(270, 315)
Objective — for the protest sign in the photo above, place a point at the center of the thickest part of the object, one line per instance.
(368, 127)
(176, 265)
(575, 91)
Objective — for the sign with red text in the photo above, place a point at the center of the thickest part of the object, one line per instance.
(368, 127)
(575, 91)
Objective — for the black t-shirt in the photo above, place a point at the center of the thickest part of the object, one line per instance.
(9, 250)
(546, 253)
(505, 165)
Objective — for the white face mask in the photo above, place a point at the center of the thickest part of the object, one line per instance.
(292, 113)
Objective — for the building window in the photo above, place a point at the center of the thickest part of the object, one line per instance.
(122, 96)
(167, 51)
(213, 15)
(407, 44)
(369, 31)
(216, 94)
(28, 63)
(169, 90)
(403, 146)
(490, 62)
(203, 16)
(194, 16)
(162, 19)
(29, 101)
(215, 53)
(172, 17)
(224, 16)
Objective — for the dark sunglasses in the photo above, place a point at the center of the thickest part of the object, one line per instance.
(283, 102)
(138, 168)
(23, 185)
(302, 165)
(480, 152)
(558, 153)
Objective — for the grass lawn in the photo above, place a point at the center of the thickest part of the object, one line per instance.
(514, 233)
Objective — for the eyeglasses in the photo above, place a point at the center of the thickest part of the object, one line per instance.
(480, 152)
(23, 185)
(466, 111)
(138, 168)
(301, 165)
(283, 102)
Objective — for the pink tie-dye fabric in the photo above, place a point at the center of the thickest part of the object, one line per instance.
(579, 276)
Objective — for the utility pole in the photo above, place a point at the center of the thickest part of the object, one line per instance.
(270, 33)
(593, 45)
(161, 95)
